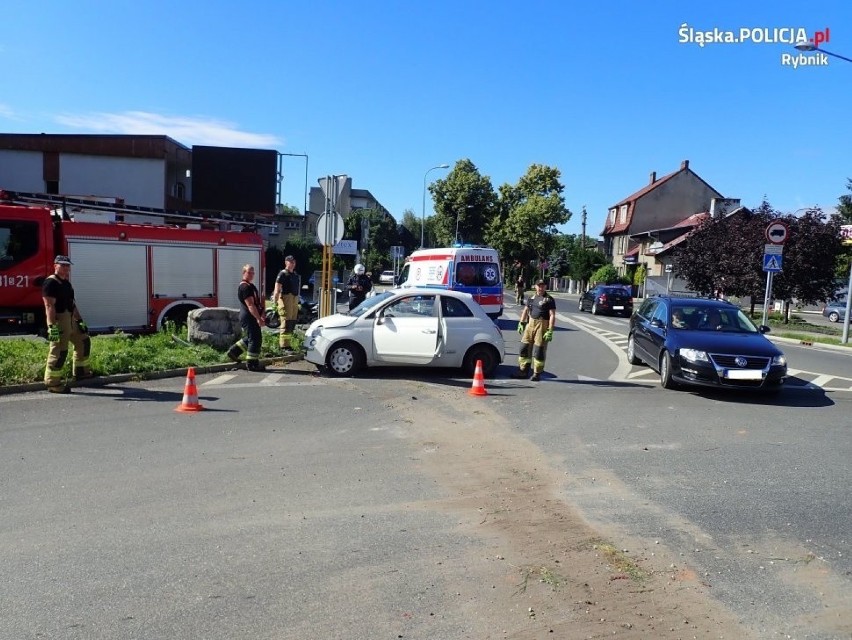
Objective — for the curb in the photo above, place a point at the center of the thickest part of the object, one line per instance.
(102, 381)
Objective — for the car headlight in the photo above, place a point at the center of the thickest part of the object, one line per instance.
(780, 361)
(694, 355)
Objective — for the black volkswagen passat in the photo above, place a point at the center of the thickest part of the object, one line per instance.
(704, 342)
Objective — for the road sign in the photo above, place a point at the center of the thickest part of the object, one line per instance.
(346, 248)
(772, 262)
(397, 251)
(773, 249)
(330, 229)
(777, 232)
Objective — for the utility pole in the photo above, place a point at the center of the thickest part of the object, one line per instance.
(583, 239)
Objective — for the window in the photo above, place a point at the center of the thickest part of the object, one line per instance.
(18, 241)
(477, 274)
(648, 308)
(612, 216)
(661, 313)
(622, 217)
(452, 308)
(411, 307)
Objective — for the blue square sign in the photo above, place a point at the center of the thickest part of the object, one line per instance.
(772, 262)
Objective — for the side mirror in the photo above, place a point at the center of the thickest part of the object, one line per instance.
(764, 328)
(656, 322)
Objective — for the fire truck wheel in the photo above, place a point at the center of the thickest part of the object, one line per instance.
(178, 316)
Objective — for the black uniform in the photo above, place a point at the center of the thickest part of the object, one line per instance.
(252, 338)
(359, 286)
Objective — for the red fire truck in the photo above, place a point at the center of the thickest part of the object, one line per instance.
(133, 277)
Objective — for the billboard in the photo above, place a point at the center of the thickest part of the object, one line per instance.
(231, 179)
(846, 233)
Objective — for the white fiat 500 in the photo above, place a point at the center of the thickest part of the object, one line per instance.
(402, 327)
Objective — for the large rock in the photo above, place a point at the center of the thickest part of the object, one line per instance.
(217, 326)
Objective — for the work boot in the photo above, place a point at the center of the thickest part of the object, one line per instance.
(254, 365)
(61, 389)
(521, 373)
(536, 377)
(234, 353)
(83, 373)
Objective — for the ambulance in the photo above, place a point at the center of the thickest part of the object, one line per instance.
(468, 268)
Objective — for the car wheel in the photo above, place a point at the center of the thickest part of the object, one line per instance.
(580, 307)
(834, 316)
(631, 351)
(666, 381)
(489, 356)
(595, 308)
(344, 359)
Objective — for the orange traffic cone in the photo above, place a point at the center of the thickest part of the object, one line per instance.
(478, 387)
(190, 393)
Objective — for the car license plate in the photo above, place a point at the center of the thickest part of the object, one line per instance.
(619, 307)
(744, 374)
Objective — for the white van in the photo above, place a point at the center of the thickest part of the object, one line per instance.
(472, 269)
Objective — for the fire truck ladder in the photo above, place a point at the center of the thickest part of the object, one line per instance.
(67, 205)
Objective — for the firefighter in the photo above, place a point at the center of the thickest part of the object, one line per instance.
(64, 325)
(285, 297)
(251, 320)
(359, 286)
(536, 328)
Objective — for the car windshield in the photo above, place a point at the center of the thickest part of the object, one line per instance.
(711, 318)
(367, 305)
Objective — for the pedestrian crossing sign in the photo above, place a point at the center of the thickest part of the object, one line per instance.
(772, 262)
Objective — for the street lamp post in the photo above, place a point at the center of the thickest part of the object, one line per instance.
(810, 46)
(423, 210)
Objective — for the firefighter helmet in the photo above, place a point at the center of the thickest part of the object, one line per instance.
(359, 269)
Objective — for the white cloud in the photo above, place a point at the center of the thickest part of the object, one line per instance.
(7, 112)
(186, 130)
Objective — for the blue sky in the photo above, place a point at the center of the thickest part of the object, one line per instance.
(382, 91)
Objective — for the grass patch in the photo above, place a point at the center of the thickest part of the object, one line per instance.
(22, 360)
(619, 561)
(542, 574)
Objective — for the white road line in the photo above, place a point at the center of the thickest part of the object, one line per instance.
(611, 321)
(821, 380)
(641, 373)
(225, 377)
(261, 383)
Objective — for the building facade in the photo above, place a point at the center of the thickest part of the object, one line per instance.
(662, 204)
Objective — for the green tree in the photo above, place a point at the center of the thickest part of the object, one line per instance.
(844, 209)
(810, 255)
(288, 210)
(584, 263)
(607, 274)
(409, 231)
(464, 199)
(382, 236)
(726, 253)
(528, 213)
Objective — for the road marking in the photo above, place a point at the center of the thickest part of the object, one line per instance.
(225, 377)
(820, 381)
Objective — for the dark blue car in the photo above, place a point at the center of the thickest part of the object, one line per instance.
(710, 343)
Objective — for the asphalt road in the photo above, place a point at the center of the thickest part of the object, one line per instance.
(297, 506)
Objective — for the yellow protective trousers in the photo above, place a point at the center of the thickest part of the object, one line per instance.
(533, 347)
(288, 311)
(57, 354)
